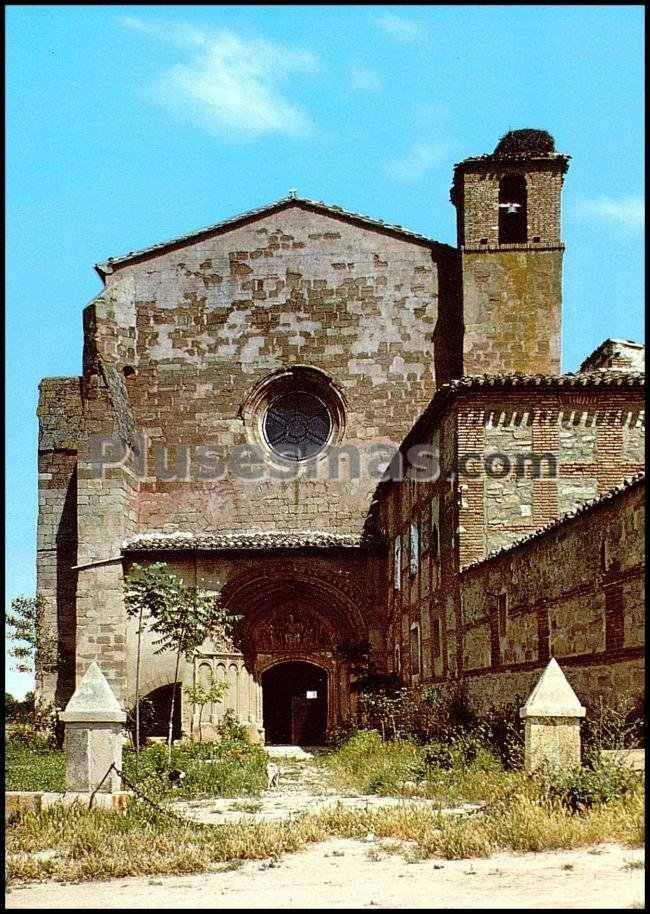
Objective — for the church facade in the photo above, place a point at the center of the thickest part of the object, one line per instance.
(310, 411)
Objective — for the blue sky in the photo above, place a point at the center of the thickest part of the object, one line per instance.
(130, 125)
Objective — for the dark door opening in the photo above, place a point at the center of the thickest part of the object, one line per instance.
(295, 704)
(154, 712)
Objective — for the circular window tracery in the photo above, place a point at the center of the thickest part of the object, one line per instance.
(296, 413)
(297, 425)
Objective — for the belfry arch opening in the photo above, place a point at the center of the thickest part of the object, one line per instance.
(513, 210)
(294, 701)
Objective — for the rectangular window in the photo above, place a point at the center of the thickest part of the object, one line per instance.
(397, 563)
(415, 649)
(415, 548)
(604, 555)
(503, 613)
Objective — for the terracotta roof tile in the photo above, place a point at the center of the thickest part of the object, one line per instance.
(246, 539)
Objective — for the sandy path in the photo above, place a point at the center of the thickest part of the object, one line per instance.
(344, 873)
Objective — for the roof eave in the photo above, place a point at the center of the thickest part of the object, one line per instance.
(105, 267)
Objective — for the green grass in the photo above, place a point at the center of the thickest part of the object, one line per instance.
(367, 765)
(231, 768)
(31, 769)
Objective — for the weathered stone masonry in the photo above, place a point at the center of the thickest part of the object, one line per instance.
(192, 341)
(574, 592)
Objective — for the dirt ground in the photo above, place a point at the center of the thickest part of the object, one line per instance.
(346, 873)
(343, 873)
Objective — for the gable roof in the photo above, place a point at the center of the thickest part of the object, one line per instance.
(326, 209)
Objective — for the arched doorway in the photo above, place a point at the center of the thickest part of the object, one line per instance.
(294, 701)
(154, 712)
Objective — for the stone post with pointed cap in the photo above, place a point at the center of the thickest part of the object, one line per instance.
(552, 717)
(93, 734)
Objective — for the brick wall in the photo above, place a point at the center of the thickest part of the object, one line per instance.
(595, 436)
(567, 597)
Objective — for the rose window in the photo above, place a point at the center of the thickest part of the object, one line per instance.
(297, 425)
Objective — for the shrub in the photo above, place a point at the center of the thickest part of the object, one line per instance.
(231, 728)
(231, 767)
(501, 730)
(341, 734)
(618, 723)
(579, 789)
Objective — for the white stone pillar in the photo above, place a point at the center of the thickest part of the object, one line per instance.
(552, 717)
(93, 734)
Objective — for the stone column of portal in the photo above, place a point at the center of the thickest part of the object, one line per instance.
(552, 717)
(93, 735)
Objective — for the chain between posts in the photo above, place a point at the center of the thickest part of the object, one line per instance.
(142, 796)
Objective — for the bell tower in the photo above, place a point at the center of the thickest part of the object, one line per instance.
(509, 237)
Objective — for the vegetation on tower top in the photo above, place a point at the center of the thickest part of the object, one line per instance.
(518, 142)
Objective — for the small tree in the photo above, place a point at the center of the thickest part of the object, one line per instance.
(201, 696)
(148, 591)
(11, 706)
(180, 616)
(34, 646)
(187, 620)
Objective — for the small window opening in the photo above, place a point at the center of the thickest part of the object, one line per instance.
(415, 548)
(503, 612)
(435, 543)
(397, 564)
(415, 649)
(513, 217)
(436, 638)
(128, 371)
(604, 555)
(398, 660)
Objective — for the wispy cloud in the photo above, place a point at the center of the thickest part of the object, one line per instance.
(414, 163)
(365, 78)
(627, 212)
(228, 82)
(398, 27)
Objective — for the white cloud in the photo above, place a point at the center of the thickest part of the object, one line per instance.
(398, 27)
(228, 81)
(365, 79)
(628, 212)
(413, 164)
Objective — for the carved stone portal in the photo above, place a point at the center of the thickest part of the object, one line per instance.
(299, 630)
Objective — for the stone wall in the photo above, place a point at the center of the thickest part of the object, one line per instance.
(60, 414)
(574, 592)
(204, 324)
(512, 310)
(596, 438)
